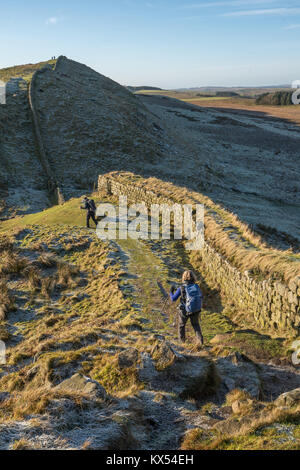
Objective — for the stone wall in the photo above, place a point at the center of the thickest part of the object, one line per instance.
(274, 306)
(53, 186)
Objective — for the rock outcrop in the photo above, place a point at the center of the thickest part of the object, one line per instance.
(289, 398)
(186, 376)
(78, 383)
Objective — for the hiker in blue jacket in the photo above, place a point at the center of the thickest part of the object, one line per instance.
(190, 304)
(90, 207)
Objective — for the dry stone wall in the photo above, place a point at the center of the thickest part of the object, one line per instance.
(52, 183)
(274, 306)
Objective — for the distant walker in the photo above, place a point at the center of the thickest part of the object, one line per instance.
(90, 207)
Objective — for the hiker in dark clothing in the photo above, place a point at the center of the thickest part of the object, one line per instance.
(190, 300)
(90, 207)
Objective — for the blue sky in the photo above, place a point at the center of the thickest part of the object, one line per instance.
(167, 43)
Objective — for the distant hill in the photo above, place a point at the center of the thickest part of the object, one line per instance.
(280, 98)
(139, 88)
(215, 89)
(226, 93)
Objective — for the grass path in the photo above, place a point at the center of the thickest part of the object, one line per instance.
(146, 269)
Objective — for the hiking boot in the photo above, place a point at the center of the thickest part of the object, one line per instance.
(200, 340)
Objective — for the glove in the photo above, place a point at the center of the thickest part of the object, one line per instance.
(173, 289)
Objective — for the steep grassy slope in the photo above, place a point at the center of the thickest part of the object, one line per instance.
(90, 123)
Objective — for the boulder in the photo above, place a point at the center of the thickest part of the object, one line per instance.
(78, 383)
(289, 398)
(127, 358)
(164, 355)
(238, 371)
(234, 424)
(169, 371)
(239, 405)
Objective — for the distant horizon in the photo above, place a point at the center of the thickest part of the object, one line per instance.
(284, 85)
(167, 44)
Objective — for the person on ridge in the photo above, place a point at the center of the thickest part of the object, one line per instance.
(190, 304)
(90, 207)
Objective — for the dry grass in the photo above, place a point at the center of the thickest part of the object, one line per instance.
(34, 400)
(22, 444)
(47, 286)
(253, 431)
(53, 340)
(33, 278)
(25, 71)
(4, 333)
(47, 260)
(6, 243)
(236, 394)
(65, 275)
(288, 113)
(11, 263)
(7, 302)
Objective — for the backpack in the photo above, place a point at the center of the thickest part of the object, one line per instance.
(193, 302)
(92, 205)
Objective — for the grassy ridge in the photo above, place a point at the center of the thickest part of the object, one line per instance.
(24, 71)
(66, 214)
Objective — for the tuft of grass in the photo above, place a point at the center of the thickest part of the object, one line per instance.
(65, 274)
(4, 333)
(47, 260)
(7, 301)
(271, 429)
(122, 382)
(12, 263)
(207, 408)
(33, 278)
(47, 286)
(236, 394)
(22, 444)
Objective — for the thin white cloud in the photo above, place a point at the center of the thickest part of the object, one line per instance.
(270, 11)
(231, 3)
(292, 26)
(52, 20)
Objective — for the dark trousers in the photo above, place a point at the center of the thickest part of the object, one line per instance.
(195, 321)
(90, 215)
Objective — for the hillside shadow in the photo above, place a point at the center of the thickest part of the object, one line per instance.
(255, 114)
